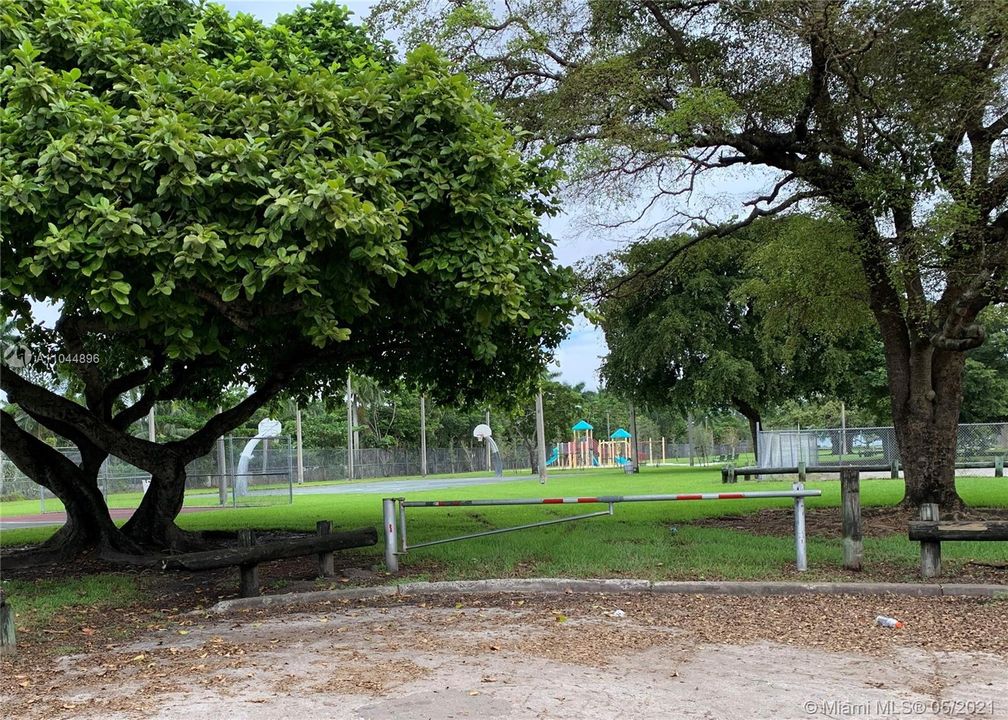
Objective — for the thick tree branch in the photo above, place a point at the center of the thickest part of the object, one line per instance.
(36, 459)
(44, 403)
(712, 232)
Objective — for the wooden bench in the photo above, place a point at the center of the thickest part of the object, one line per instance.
(929, 531)
(248, 555)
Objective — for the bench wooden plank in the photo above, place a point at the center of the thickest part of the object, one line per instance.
(951, 530)
(277, 550)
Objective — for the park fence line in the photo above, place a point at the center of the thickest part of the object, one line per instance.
(273, 465)
(976, 443)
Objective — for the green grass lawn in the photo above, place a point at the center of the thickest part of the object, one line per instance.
(638, 540)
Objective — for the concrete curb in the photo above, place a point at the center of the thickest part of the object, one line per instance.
(565, 585)
(263, 601)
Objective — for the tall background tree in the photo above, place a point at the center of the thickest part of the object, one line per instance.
(892, 115)
(695, 334)
(210, 205)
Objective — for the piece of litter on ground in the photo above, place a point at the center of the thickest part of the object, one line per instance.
(616, 614)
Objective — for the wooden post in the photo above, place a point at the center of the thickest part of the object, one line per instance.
(930, 549)
(635, 447)
(249, 585)
(540, 438)
(663, 452)
(894, 470)
(326, 560)
(8, 638)
(850, 494)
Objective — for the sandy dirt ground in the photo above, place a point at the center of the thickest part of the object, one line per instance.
(540, 656)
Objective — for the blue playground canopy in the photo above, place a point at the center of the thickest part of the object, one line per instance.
(620, 434)
(582, 425)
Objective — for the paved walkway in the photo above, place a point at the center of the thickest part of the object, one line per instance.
(559, 656)
(58, 518)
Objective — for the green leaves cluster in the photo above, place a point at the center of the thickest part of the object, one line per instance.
(760, 317)
(200, 187)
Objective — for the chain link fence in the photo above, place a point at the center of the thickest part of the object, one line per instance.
(269, 474)
(977, 443)
(216, 479)
(661, 451)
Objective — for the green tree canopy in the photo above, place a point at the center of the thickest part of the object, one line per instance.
(892, 114)
(241, 206)
(691, 336)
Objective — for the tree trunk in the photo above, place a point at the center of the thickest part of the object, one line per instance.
(533, 455)
(753, 416)
(153, 523)
(926, 402)
(88, 523)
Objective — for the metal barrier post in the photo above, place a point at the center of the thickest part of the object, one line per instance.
(999, 466)
(801, 560)
(389, 518)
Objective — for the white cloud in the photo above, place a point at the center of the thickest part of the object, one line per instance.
(578, 357)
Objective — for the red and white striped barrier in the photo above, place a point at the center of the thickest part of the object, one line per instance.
(394, 509)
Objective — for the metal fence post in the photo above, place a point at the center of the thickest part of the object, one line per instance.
(221, 470)
(999, 466)
(801, 560)
(389, 518)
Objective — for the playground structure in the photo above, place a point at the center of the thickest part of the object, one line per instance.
(585, 451)
(581, 452)
(615, 451)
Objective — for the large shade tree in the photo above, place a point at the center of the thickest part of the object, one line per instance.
(892, 113)
(209, 204)
(705, 331)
